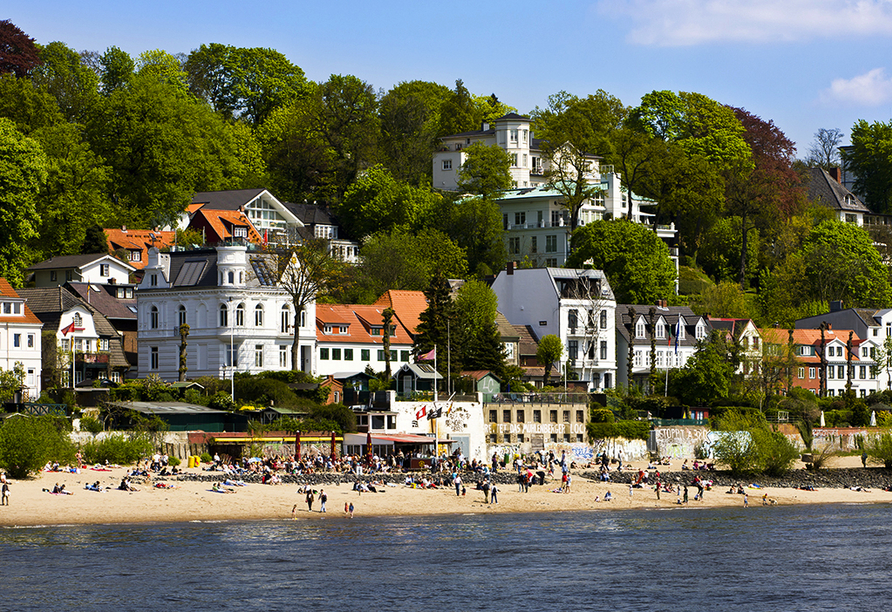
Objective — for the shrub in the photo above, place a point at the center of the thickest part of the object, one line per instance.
(601, 415)
(27, 443)
(747, 444)
(633, 430)
(173, 461)
(206, 457)
(879, 449)
(91, 424)
(774, 451)
(118, 448)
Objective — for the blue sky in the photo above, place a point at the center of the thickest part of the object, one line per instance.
(805, 64)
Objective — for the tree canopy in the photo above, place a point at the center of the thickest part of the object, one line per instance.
(635, 260)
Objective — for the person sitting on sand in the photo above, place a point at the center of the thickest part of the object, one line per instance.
(218, 489)
(62, 491)
(608, 496)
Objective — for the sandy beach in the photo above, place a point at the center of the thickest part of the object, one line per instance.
(196, 501)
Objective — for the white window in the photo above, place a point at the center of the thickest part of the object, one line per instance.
(181, 315)
(30, 340)
(78, 320)
(639, 329)
(240, 315)
(285, 320)
(512, 137)
(103, 269)
(103, 344)
(135, 255)
(514, 159)
(153, 358)
(447, 164)
(811, 373)
(661, 330)
(153, 317)
(283, 356)
(258, 315)
(224, 316)
(240, 232)
(258, 356)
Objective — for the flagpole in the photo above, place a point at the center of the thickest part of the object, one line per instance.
(435, 373)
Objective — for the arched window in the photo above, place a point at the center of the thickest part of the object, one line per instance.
(258, 315)
(285, 319)
(78, 320)
(232, 278)
(303, 317)
(153, 317)
(224, 316)
(240, 315)
(181, 313)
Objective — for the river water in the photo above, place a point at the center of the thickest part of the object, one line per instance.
(833, 557)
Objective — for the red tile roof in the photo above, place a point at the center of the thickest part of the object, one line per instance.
(359, 320)
(7, 290)
(408, 306)
(138, 240)
(222, 222)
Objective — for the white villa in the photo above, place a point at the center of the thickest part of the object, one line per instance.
(239, 318)
(536, 225)
(577, 306)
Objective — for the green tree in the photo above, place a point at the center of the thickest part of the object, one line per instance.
(707, 375)
(869, 159)
(481, 346)
(161, 65)
(407, 260)
(842, 264)
(702, 126)
(879, 449)
(22, 174)
(66, 77)
(116, 70)
(573, 131)
(725, 300)
(377, 202)
(720, 252)
(435, 326)
(485, 171)
(635, 260)
(550, 350)
(162, 147)
(27, 443)
(410, 118)
(475, 224)
(458, 112)
(11, 381)
(95, 240)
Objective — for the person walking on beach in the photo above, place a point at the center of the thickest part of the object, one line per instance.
(351, 509)
(4, 494)
(493, 494)
(746, 500)
(310, 500)
(346, 508)
(456, 479)
(658, 490)
(322, 499)
(685, 495)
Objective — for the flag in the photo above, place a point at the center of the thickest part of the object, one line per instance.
(67, 330)
(428, 356)
(435, 413)
(449, 410)
(419, 414)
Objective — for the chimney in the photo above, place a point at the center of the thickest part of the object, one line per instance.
(836, 174)
(835, 305)
(509, 268)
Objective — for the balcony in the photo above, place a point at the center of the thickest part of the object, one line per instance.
(91, 358)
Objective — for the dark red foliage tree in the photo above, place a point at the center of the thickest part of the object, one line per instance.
(772, 190)
(18, 53)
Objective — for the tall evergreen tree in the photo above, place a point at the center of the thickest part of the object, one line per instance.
(436, 326)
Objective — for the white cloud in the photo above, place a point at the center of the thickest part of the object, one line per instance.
(872, 88)
(675, 23)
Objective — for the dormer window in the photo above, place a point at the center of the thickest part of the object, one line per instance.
(661, 330)
(135, 255)
(376, 331)
(327, 329)
(343, 329)
(78, 321)
(639, 329)
(701, 331)
(240, 232)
